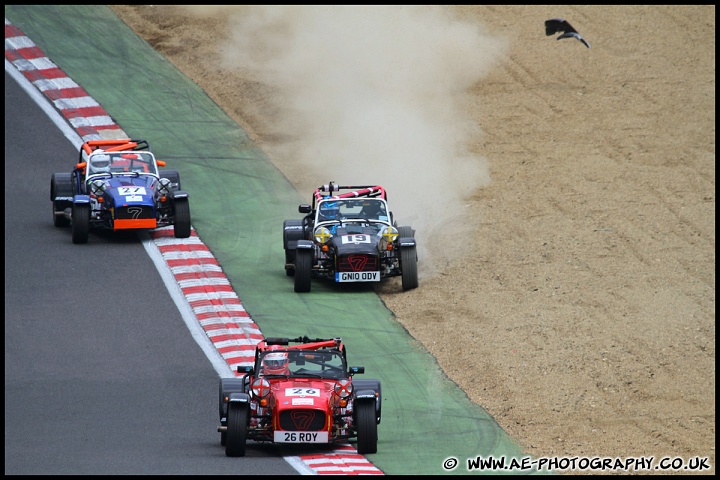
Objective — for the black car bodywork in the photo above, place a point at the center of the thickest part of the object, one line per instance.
(348, 234)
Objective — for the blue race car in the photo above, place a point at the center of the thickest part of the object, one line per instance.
(116, 185)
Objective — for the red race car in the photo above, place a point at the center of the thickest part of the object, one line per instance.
(299, 391)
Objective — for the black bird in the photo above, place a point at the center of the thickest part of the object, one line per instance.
(555, 25)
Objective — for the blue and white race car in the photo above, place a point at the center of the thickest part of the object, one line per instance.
(116, 185)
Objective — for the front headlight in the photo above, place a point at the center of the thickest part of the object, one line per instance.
(97, 187)
(322, 235)
(343, 388)
(261, 388)
(388, 234)
(164, 186)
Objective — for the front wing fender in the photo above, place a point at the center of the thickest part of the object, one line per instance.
(405, 242)
(81, 199)
(369, 389)
(180, 194)
(304, 245)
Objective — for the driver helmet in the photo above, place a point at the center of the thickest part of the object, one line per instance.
(275, 363)
(99, 163)
(375, 209)
(329, 210)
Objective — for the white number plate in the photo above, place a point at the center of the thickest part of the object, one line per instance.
(357, 276)
(301, 437)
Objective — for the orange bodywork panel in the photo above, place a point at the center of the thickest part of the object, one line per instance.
(134, 223)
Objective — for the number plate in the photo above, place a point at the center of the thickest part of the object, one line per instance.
(301, 437)
(357, 277)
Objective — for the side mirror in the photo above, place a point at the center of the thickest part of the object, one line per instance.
(304, 208)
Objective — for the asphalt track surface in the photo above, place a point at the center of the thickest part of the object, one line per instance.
(101, 374)
(238, 202)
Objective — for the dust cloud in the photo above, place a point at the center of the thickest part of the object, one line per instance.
(373, 95)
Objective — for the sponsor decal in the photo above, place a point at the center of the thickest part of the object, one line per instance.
(358, 262)
(134, 212)
(302, 419)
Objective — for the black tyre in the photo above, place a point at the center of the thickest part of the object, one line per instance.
(59, 220)
(173, 176)
(289, 260)
(80, 222)
(236, 437)
(182, 218)
(228, 386)
(60, 186)
(408, 263)
(292, 231)
(303, 270)
(405, 231)
(367, 436)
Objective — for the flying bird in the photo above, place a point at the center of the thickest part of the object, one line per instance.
(555, 25)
